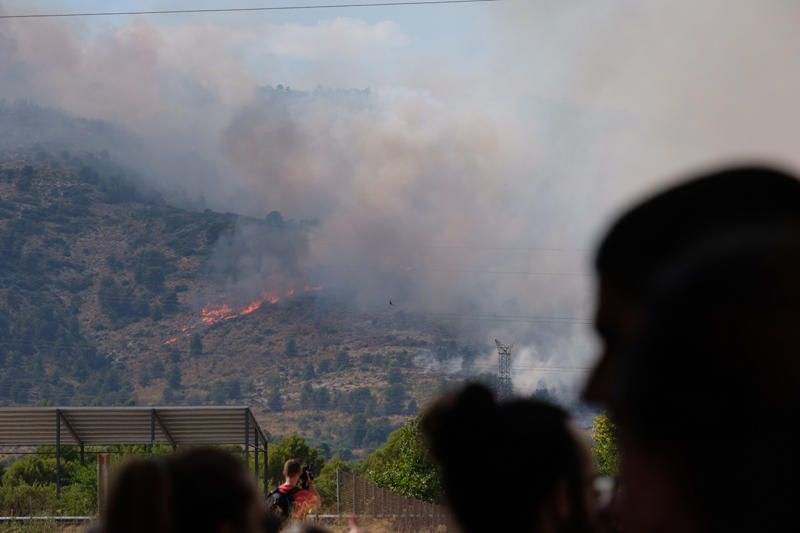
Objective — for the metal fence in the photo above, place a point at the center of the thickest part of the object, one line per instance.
(376, 505)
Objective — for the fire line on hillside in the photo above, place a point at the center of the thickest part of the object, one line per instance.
(213, 314)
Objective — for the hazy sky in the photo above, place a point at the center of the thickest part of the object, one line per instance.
(358, 42)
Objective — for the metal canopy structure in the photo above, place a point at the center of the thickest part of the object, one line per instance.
(108, 426)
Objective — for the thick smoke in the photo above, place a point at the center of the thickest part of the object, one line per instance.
(470, 193)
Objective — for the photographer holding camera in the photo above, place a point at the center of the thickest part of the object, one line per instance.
(297, 496)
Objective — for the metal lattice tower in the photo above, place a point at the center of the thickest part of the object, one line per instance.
(504, 386)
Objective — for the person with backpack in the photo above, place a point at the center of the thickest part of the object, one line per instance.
(295, 498)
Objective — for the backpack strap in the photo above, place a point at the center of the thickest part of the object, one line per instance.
(291, 492)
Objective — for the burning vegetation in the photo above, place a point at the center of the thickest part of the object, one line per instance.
(214, 314)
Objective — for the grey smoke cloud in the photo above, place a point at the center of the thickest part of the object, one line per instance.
(474, 188)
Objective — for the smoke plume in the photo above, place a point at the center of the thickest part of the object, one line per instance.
(468, 190)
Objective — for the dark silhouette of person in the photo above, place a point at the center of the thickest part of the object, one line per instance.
(657, 232)
(211, 491)
(138, 501)
(513, 466)
(199, 490)
(706, 399)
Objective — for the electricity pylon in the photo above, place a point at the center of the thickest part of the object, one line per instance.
(504, 385)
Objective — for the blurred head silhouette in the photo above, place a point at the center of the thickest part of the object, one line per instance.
(659, 231)
(710, 388)
(536, 474)
(139, 499)
(199, 490)
(211, 491)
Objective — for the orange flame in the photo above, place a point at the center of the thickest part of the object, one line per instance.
(211, 314)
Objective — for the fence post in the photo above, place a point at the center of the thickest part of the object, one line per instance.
(355, 497)
(103, 475)
(266, 467)
(256, 450)
(338, 495)
(58, 454)
(247, 438)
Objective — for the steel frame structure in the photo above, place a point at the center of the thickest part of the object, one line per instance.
(108, 426)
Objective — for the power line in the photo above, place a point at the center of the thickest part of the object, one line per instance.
(494, 248)
(493, 318)
(475, 366)
(566, 369)
(241, 9)
(407, 269)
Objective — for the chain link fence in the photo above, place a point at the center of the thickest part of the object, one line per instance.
(382, 509)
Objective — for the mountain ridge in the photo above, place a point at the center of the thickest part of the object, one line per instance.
(98, 276)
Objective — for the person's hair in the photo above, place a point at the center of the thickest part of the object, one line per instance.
(471, 435)
(651, 234)
(138, 500)
(209, 489)
(713, 382)
(292, 468)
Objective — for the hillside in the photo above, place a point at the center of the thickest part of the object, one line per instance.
(110, 295)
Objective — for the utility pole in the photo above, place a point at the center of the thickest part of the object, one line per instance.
(504, 387)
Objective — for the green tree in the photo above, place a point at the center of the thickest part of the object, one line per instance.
(169, 303)
(144, 376)
(321, 398)
(156, 312)
(292, 447)
(224, 391)
(307, 396)
(412, 407)
(291, 348)
(174, 377)
(394, 400)
(157, 370)
(27, 499)
(342, 360)
(109, 296)
(378, 431)
(325, 482)
(394, 376)
(28, 485)
(31, 470)
(25, 181)
(154, 280)
(358, 430)
(275, 401)
(196, 345)
(233, 389)
(404, 466)
(605, 449)
(359, 401)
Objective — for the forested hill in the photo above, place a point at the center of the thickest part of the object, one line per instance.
(110, 295)
(79, 256)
